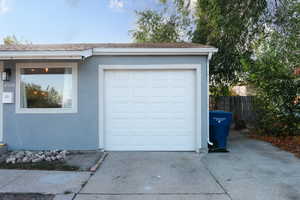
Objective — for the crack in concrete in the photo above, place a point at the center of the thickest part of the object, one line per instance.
(217, 181)
(92, 173)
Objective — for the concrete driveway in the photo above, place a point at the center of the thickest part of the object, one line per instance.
(152, 175)
(253, 170)
(256, 170)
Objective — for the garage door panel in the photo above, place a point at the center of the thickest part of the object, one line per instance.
(158, 118)
(153, 124)
(154, 140)
(139, 92)
(150, 110)
(155, 132)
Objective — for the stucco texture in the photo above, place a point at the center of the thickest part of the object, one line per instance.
(79, 131)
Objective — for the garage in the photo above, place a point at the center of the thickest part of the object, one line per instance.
(111, 97)
(149, 110)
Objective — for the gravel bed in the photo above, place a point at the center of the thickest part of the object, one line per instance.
(50, 160)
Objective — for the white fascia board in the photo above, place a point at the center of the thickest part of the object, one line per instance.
(23, 55)
(153, 51)
(16, 55)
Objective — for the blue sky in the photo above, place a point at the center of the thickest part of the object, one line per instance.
(70, 21)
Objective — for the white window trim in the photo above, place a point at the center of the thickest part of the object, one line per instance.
(74, 108)
(101, 107)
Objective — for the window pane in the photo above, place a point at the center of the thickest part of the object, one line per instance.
(46, 88)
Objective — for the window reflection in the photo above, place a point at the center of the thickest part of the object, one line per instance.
(46, 88)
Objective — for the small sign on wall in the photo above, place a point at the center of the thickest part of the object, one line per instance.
(8, 97)
(9, 85)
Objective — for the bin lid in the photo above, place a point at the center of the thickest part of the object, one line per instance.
(219, 112)
(215, 113)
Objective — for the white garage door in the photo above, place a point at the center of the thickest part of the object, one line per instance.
(149, 110)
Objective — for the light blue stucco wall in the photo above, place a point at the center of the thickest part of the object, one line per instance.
(56, 131)
(79, 131)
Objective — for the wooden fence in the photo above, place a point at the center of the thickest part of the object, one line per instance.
(240, 106)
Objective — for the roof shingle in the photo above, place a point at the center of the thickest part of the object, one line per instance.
(85, 46)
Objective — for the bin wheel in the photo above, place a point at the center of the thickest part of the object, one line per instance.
(218, 150)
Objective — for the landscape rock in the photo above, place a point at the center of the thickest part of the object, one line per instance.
(25, 160)
(36, 156)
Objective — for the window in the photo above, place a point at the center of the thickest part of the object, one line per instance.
(46, 88)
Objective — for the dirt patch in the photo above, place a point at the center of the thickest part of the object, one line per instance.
(56, 165)
(287, 143)
(19, 196)
(75, 161)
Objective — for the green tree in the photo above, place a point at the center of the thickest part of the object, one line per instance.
(12, 39)
(230, 26)
(170, 23)
(272, 72)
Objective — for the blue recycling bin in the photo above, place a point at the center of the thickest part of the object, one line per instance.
(219, 126)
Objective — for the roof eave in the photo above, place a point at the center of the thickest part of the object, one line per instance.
(57, 55)
(73, 55)
(153, 51)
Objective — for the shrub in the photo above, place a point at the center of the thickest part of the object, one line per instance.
(277, 87)
(273, 72)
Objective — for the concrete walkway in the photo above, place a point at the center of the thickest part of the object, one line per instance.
(47, 182)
